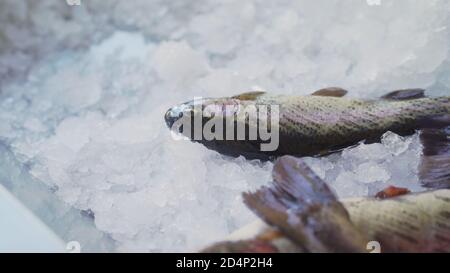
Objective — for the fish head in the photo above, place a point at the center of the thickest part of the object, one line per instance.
(199, 112)
(208, 109)
(221, 124)
(184, 110)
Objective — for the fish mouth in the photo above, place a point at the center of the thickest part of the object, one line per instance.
(171, 117)
(175, 113)
(187, 109)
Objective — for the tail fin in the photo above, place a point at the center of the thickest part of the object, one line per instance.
(302, 206)
(434, 169)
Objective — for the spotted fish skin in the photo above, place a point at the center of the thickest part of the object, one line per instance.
(311, 124)
(317, 124)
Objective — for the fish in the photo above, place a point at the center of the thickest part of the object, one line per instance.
(299, 212)
(434, 167)
(414, 222)
(313, 125)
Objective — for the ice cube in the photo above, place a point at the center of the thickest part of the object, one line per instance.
(83, 94)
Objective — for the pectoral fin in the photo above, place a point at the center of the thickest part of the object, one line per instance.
(434, 169)
(405, 94)
(305, 210)
(330, 92)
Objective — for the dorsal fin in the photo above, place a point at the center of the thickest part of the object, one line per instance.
(330, 92)
(304, 209)
(434, 169)
(252, 95)
(405, 94)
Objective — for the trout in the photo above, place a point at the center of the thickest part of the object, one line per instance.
(300, 214)
(318, 124)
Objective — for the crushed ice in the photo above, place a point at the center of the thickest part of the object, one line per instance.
(84, 89)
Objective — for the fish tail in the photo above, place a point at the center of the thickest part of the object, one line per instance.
(435, 113)
(304, 208)
(434, 169)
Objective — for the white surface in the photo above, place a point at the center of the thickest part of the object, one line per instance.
(21, 231)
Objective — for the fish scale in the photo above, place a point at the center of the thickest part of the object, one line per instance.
(325, 121)
(333, 117)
